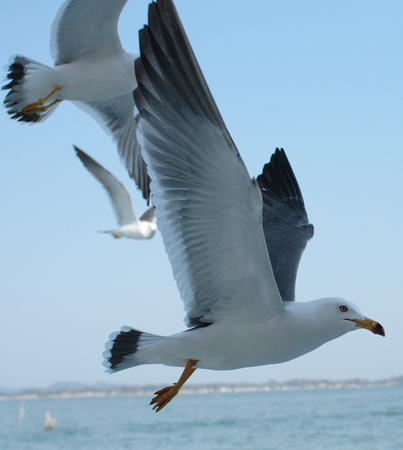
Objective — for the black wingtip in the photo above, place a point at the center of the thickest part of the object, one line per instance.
(278, 179)
(81, 155)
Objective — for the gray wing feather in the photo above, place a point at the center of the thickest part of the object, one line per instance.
(119, 195)
(83, 27)
(149, 215)
(209, 211)
(117, 116)
(285, 221)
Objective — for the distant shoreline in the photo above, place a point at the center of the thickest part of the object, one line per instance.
(77, 390)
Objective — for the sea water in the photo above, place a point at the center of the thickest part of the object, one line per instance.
(359, 419)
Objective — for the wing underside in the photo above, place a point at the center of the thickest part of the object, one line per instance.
(208, 209)
(84, 27)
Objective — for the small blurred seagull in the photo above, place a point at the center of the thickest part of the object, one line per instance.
(91, 69)
(234, 243)
(130, 225)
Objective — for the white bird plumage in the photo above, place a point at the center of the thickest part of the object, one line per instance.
(91, 69)
(130, 225)
(238, 296)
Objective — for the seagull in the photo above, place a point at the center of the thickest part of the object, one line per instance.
(130, 225)
(234, 242)
(91, 69)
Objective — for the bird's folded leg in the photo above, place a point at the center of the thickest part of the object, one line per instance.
(164, 396)
(37, 107)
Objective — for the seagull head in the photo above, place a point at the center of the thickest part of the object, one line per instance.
(348, 316)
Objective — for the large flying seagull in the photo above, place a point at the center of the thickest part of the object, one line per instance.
(219, 227)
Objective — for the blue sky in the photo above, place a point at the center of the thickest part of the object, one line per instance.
(321, 79)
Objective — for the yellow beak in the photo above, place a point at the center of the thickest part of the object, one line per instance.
(370, 325)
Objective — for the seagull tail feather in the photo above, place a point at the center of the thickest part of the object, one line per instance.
(122, 349)
(29, 81)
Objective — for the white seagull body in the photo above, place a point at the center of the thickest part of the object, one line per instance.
(130, 225)
(234, 243)
(91, 69)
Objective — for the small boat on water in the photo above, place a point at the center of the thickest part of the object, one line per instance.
(49, 421)
(21, 415)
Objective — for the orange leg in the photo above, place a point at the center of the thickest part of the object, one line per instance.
(37, 107)
(164, 396)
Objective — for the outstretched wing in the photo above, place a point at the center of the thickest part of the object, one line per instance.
(119, 195)
(83, 27)
(285, 221)
(117, 116)
(208, 209)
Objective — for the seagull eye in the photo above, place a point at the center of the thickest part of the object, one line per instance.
(343, 308)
